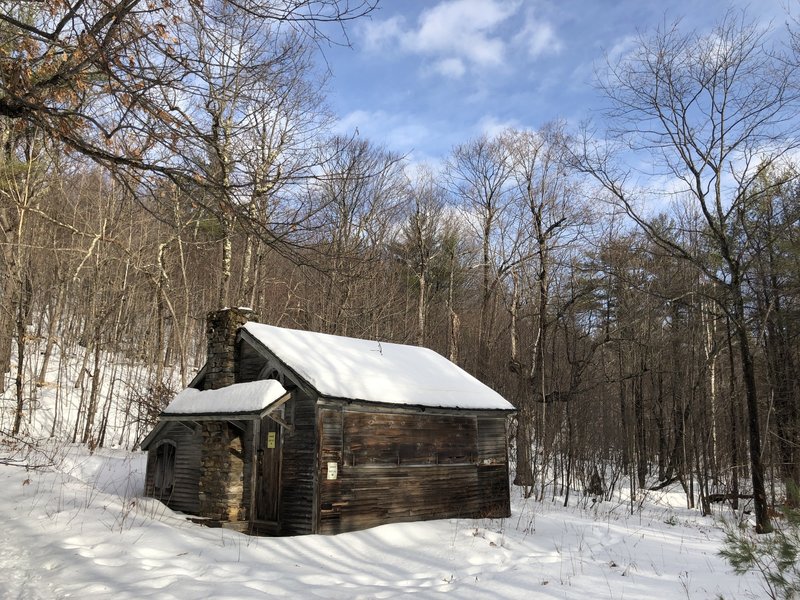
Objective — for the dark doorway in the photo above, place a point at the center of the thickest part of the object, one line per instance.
(164, 480)
(269, 471)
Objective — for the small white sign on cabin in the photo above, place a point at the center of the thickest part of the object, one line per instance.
(333, 470)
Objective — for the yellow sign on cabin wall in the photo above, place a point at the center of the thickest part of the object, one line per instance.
(271, 439)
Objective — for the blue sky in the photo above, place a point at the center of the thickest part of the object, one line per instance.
(424, 75)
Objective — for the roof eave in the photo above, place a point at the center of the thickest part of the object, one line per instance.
(252, 415)
(419, 407)
(232, 415)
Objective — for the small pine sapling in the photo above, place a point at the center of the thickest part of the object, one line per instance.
(773, 556)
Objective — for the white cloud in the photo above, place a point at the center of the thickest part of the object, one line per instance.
(450, 67)
(355, 120)
(538, 36)
(396, 131)
(456, 34)
(462, 28)
(378, 35)
(621, 48)
(541, 39)
(492, 126)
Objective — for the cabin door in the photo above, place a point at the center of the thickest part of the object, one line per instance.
(269, 471)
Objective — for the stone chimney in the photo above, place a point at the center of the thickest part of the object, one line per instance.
(223, 471)
(221, 328)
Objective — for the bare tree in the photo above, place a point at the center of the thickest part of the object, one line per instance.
(24, 178)
(421, 239)
(547, 198)
(357, 195)
(478, 175)
(94, 74)
(713, 111)
(250, 113)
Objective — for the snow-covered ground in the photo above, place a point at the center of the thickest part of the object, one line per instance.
(78, 528)
(81, 529)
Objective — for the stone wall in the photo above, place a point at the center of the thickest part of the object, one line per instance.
(222, 480)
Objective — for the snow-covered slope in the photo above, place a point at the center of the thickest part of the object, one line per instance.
(78, 528)
(81, 530)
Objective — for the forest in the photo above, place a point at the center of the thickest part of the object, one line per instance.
(632, 286)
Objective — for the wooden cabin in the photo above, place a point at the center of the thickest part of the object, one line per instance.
(287, 432)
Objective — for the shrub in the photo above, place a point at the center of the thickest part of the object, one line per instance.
(773, 556)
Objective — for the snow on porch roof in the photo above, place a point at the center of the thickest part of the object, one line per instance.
(250, 397)
(341, 367)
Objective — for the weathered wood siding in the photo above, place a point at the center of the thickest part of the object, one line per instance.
(247, 470)
(268, 475)
(493, 466)
(298, 461)
(185, 493)
(298, 467)
(249, 363)
(396, 465)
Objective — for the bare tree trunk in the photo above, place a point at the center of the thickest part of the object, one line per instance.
(711, 358)
(227, 261)
(23, 309)
(422, 280)
(94, 392)
(453, 325)
(513, 311)
(569, 450)
(6, 329)
(763, 524)
(734, 419)
(486, 297)
(524, 475)
(641, 430)
(247, 283)
(101, 436)
(54, 318)
(660, 418)
(161, 294)
(54, 426)
(184, 328)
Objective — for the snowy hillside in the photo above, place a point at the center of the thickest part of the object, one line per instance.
(78, 527)
(82, 530)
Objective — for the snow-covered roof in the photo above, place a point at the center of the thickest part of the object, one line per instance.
(250, 397)
(341, 367)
